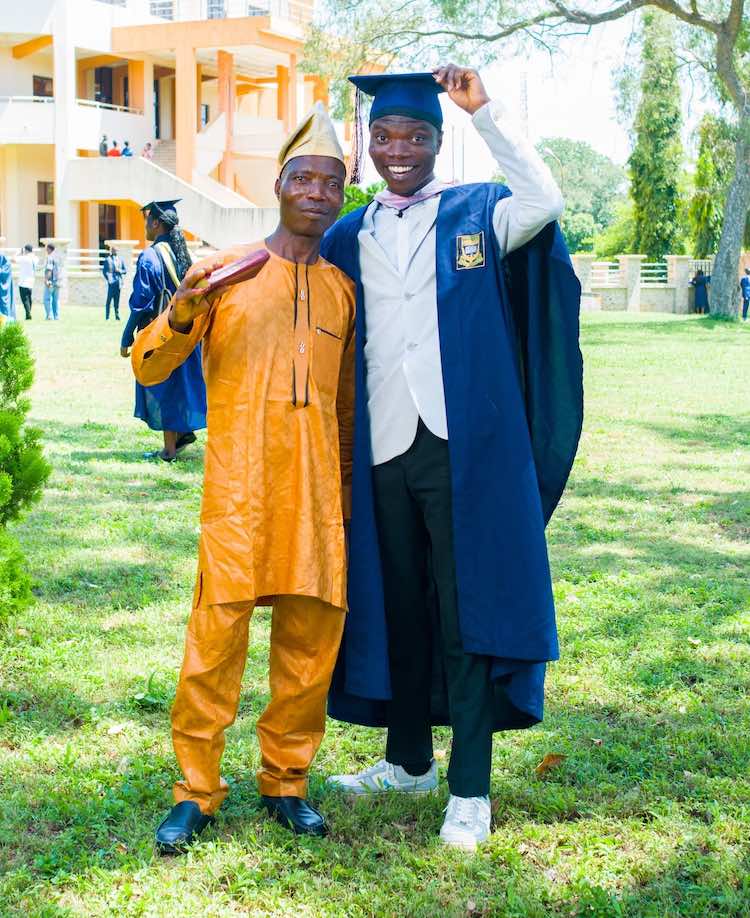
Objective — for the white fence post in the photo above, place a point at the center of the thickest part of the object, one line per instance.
(583, 266)
(630, 278)
(678, 276)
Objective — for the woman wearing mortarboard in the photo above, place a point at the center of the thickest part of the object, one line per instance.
(468, 410)
(176, 406)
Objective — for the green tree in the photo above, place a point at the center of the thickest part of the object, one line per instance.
(355, 197)
(592, 185)
(23, 469)
(713, 174)
(656, 161)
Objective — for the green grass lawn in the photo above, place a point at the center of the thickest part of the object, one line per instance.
(647, 815)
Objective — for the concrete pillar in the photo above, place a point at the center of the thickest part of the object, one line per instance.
(148, 95)
(136, 85)
(320, 91)
(125, 248)
(186, 89)
(678, 276)
(293, 91)
(198, 96)
(65, 80)
(583, 266)
(61, 250)
(282, 96)
(630, 278)
(227, 92)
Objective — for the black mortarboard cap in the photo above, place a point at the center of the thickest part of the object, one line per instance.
(414, 95)
(160, 210)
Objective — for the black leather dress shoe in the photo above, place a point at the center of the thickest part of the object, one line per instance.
(182, 826)
(296, 814)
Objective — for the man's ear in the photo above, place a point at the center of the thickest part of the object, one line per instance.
(277, 187)
(439, 142)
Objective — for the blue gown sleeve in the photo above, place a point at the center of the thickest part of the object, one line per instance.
(147, 283)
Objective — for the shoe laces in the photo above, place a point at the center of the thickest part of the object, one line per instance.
(377, 768)
(462, 809)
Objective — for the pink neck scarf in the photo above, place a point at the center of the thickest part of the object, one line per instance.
(400, 202)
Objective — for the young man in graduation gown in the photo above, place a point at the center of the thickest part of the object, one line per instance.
(176, 406)
(468, 413)
(278, 359)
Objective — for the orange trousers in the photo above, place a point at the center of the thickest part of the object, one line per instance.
(305, 638)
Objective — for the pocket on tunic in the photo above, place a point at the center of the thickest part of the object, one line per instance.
(326, 359)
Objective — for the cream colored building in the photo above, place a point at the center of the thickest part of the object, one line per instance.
(212, 84)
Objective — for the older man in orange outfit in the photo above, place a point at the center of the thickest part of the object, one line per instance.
(278, 354)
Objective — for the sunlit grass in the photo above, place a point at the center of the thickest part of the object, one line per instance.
(649, 813)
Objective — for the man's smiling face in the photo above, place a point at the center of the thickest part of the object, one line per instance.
(404, 151)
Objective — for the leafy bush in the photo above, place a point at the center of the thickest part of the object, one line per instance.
(23, 469)
(355, 197)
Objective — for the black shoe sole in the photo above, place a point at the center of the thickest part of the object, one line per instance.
(315, 831)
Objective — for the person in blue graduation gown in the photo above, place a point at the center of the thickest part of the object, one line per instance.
(7, 302)
(178, 405)
(469, 405)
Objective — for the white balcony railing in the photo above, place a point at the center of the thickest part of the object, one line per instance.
(293, 10)
(27, 119)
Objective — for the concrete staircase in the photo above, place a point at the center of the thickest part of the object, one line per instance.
(208, 210)
(165, 155)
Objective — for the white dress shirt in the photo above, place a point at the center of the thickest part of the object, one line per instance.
(26, 269)
(397, 261)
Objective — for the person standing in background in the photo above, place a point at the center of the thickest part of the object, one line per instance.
(745, 288)
(148, 151)
(115, 150)
(176, 406)
(700, 282)
(103, 147)
(126, 150)
(26, 271)
(114, 271)
(52, 272)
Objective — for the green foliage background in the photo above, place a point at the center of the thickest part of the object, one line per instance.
(592, 186)
(23, 469)
(656, 161)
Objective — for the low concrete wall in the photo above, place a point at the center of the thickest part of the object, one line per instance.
(611, 298)
(658, 299)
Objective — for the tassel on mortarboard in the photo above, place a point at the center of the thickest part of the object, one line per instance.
(357, 151)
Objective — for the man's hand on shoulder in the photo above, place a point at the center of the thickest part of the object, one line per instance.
(463, 85)
(189, 302)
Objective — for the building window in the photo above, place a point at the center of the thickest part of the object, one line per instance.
(43, 87)
(164, 9)
(46, 226)
(103, 85)
(216, 9)
(205, 116)
(45, 193)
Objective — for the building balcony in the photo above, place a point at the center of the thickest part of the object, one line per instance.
(27, 119)
(31, 120)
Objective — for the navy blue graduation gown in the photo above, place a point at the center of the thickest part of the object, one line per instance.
(513, 380)
(178, 403)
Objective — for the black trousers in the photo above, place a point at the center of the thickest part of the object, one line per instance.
(26, 300)
(745, 308)
(113, 296)
(414, 516)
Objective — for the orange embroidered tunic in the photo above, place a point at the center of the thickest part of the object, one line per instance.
(278, 359)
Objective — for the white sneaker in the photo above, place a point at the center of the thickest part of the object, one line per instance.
(467, 822)
(383, 777)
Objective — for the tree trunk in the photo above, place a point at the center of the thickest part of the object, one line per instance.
(725, 287)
